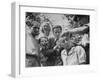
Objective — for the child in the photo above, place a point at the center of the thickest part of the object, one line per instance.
(43, 41)
(72, 54)
(47, 54)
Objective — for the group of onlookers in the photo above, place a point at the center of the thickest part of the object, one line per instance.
(68, 48)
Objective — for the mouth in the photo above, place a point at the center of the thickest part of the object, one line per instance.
(36, 32)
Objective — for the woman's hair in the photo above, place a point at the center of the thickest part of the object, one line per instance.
(57, 26)
(43, 27)
(41, 38)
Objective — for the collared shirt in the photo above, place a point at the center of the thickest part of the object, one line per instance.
(75, 56)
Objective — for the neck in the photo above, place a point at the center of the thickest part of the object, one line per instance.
(33, 35)
(56, 38)
(46, 34)
(68, 49)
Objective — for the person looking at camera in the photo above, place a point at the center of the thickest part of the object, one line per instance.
(57, 30)
(32, 46)
(72, 54)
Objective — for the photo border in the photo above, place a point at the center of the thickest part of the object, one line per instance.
(17, 66)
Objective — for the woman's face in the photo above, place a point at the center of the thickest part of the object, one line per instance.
(46, 29)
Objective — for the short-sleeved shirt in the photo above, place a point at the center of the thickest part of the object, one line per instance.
(75, 56)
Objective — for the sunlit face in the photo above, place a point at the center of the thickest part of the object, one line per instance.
(65, 43)
(76, 38)
(35, 28)
(46, 29)
(57, 32)
(44, 41)
(29, 23)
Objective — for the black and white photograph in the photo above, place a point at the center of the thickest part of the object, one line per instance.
(55, 39)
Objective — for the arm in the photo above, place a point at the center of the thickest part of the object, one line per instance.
(81, 55)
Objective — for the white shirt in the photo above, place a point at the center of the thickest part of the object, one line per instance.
(75, 56)
(32, 46)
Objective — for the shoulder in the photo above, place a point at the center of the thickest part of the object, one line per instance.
(78, 47)
(63, 51)
(79, 50)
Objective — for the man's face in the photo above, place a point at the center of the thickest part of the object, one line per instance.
(57, 32)
(29, 23)
(67, 44)
(76, 38)
(35, 30)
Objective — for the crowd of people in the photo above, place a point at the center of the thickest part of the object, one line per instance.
(70, 47)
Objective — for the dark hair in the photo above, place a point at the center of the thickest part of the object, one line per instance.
(68, 35)
(28, 23)
(80, 17)
(41, 38)
(58, 26)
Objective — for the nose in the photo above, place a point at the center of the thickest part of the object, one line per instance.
(37, 29)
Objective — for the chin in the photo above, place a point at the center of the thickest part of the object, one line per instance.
(36, 34)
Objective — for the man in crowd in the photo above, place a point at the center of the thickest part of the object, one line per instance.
(57, 30)
(44, 46)
(72, 54)
(32, 46)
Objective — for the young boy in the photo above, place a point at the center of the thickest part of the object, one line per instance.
(72, 54)
(43, 41)
(47, 54)
(57, 30)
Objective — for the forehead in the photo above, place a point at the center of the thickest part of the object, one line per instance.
(57, 29)
(36, 26)
(42, 39)
(75, 35)
(47, 25)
